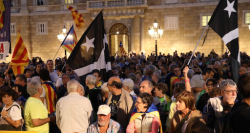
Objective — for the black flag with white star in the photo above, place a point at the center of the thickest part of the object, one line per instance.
(224, 22)
(91, 52)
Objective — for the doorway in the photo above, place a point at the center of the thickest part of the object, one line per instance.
(118, 33)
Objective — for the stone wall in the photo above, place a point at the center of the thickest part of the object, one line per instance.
(186, 37)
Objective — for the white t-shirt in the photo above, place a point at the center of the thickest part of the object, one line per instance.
(54, 76)
(15, 112)
(59, 82)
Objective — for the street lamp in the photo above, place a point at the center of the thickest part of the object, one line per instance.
(62, 35)
(155, 32)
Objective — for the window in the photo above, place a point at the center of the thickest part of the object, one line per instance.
(40, 2)
(68, 2)
(68, 24)
(171, 23)
(13, 28)
(42, 28)
(247, 18)
(204, 20)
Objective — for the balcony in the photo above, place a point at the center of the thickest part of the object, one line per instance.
(115, 3)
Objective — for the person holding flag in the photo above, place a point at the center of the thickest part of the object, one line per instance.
(122, 50)
(20, 57)
(146, 114)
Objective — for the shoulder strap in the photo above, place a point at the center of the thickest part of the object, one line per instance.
(12, 106)
(182, 122)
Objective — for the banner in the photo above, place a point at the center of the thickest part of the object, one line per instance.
(5, 31)
(4, 50)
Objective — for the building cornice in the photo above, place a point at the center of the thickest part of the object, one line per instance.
(47, 13)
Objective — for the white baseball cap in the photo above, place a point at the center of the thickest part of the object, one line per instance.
(104, 110)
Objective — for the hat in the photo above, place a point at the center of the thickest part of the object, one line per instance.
(104, 110)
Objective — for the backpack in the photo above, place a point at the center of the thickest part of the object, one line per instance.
(4, 125)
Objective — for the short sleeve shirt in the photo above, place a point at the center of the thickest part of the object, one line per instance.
(15, 111)
(35, 109)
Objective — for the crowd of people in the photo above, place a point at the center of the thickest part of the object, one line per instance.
(152, 94)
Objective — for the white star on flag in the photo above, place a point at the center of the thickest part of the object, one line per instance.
(88, 43)
(230, 8)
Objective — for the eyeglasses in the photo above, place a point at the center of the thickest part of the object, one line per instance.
(109, 85)
(176, 70)
(230, 91)
(209, 85)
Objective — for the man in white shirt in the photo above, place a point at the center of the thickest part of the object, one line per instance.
(73, 112)
(52, 73)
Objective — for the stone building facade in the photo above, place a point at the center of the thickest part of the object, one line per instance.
(126, 21)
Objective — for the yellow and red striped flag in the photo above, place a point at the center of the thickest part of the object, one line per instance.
(77, 17)
(2, 9)
(20, 57)
(122, 48)
(50, 96)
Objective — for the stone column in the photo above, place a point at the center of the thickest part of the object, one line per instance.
(137, 36)
(131, 48)
(24, 8)
(142, 33)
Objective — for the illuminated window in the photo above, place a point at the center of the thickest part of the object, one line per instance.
(247, 18)
(68, 1)
(205, 19)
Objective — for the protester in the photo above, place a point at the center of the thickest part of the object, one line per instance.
(28, 74)
(197, 82)
(38, 68)
(35, 113)
(128, 85)
(218, 107)
(97, 74)
(52, 73)
(2, 80)
(73, 112)
(49, 89)
(62, 90)
(145, 117)
(11, 117)
(175, 78)
(105, 92)
(205, 94)
(105, 124)
(94, 94)
(239, 117)
(21, 100)
(187, 119)
(22, 80)
(120, 102)
(242, 70)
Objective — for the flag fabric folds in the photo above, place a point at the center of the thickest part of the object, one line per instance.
(2, 9)
(151, 110)
(20, 57)
(224, 22)
(50, 96)
(122, 50)
(91, 51)
(70, 40)
(77, 17)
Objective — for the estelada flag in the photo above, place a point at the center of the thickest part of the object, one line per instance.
(20, 57)
(122, 50)
(2, 9)
(70, 40)
(77, 17)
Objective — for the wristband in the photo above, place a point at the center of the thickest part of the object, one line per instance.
(187, 80)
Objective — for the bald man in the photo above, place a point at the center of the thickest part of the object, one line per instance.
(120, 102)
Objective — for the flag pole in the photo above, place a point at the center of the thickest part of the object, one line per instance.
(197, 45)
(56, 53)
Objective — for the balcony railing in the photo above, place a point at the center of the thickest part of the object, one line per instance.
(114, 3)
